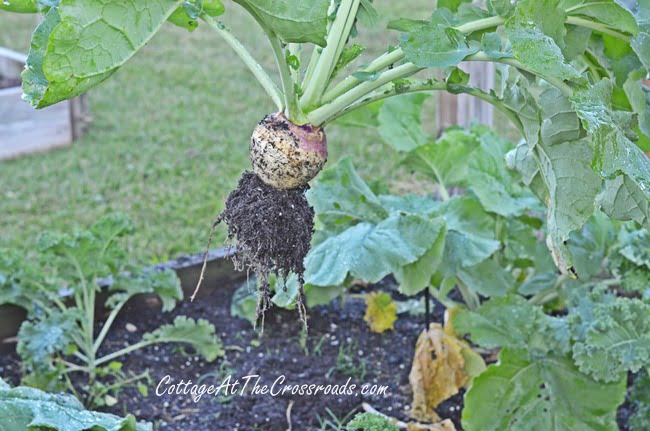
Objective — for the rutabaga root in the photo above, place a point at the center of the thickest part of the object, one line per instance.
(273, 229)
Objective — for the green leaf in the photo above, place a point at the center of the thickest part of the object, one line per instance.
(20, 6)
(40, 340)
(165, 284)
(437, 45)
(470, 234)
(406, 25)
(92, 253)
(400, 124)
(615, 154)
(415, 277)
(570, 184)
(545, 15)
(293, 21)
(62, 64)
(492, 46)
(23, 285)
(641, 42)
(445, 161)
(367, 14)
(371, 422)
(511, 321)
(286, 291)
(488, 278)
(180, 18)
(341, 198)
(200, 334)
(608, 12)
(348, 55)
(590, 246)
(370, 251)
(617, 340)
(536, 50)
(244, 301)
(29, 409)
(491, 181)
(547, 393)
(502, 7)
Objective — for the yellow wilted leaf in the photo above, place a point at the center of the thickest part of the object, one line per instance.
(438, 371)
(381, 311)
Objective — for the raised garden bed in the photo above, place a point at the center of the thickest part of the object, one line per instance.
(335, 331)
(23, 129)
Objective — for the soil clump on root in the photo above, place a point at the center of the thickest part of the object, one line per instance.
(272, 229)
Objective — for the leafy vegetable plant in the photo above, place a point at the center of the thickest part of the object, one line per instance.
(59, 338)
(30, 409)
(578, 64)
(566, 344)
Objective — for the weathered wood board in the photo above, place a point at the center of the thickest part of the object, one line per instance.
(25, 130)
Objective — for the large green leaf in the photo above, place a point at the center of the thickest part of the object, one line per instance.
(371, 251)
(445, 161)
(492, 183)
(470, 234)
(617, 339)
(534, 33)
(29, 409)
(81, 43)
(616, 155)
(293, 20)
(200, 334)
(437, 45)
(546, 393)
(511, 321)
(341, 198)
(416, 277)
(488, 278)
(399, 122)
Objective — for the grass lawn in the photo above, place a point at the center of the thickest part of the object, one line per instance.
(168, 140)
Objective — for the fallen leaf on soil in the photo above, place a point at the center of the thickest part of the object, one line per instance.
(381, 311)
(439, 370)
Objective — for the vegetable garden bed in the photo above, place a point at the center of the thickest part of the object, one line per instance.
(339, 345)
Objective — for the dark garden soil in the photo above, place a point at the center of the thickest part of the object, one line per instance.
(9, 82)
(334, 330)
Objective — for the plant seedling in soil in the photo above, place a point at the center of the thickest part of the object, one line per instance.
(543, 45)
(58, 343)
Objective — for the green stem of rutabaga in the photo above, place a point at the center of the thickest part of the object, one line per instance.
(320, 115)
(429, 85)
(262, 77)
(328, 57)
(574, 20)
(292, 110)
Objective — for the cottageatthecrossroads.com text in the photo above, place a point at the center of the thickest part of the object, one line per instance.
(253, 385)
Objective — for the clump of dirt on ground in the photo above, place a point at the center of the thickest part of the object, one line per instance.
(272, 229)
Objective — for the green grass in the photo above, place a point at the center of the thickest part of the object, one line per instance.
(167, 142)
